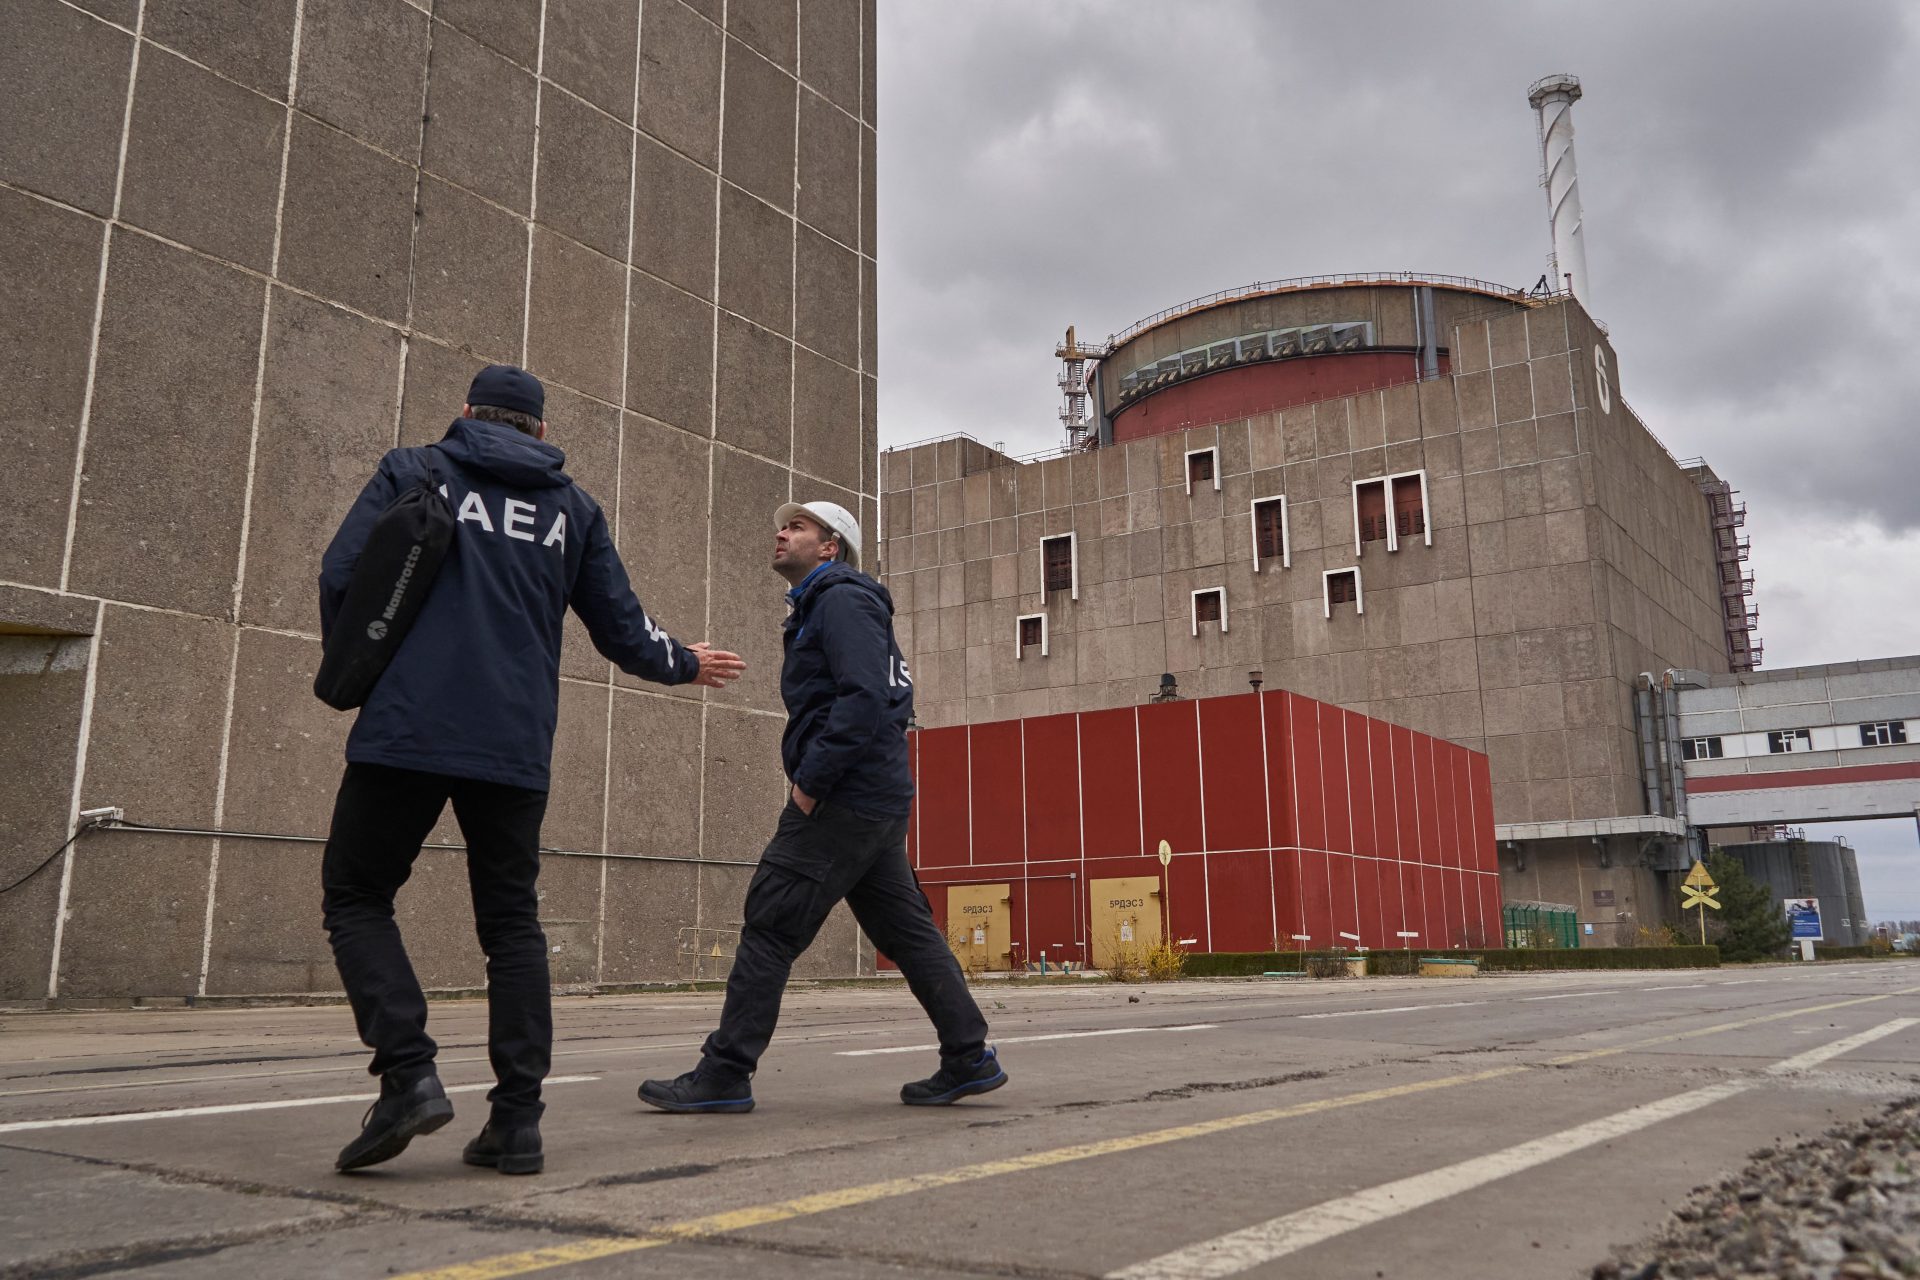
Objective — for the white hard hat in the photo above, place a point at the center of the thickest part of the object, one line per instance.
(829, 515)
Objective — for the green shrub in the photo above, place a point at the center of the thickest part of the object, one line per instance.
(1824, 952)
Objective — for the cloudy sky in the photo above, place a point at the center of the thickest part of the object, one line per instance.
(1752, 211)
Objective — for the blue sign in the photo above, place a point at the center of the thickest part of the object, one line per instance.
(1803, 914)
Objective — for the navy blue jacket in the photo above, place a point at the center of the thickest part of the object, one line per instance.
(474, 690)
(848, 695)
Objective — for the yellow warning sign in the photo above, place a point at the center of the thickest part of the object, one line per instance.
(1698, 877)
(1698, 898)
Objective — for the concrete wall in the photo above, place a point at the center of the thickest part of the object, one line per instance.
(1569, 552)
(252, 247)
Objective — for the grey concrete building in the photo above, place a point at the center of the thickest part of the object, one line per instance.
(1427, 501)
(248, 248)
(1823, 869)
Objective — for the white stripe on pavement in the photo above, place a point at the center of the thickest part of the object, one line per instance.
(999, 1040)
(231, 1108)
(1398, 1008)
(1276, 1238)
(1568, 995)
(1688, 986)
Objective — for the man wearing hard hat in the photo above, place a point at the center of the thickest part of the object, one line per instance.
(842, 834)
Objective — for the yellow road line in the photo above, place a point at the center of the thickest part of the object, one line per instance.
(587, 1250)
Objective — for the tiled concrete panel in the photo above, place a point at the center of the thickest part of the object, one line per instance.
(770, 27)
(67, 79)
(680, 80)
(576, 806)
(830, 170)
(757, 152)
(754, 383)
(252, 43)
(287, 748)
(673, 217)
(756, 260)
(166, 457)
(576, 316)
(480, 113)
(347, 229)
(267, 931)
(830, 56)
(363, 68)
(147, 943)
(506, 26)
(670, 356)
(469, 269)
(590, 50)
(585, 170)
(436, 386)
(203, 161)
(49, 264)
(655, 776)
(570, 917)
(745, 786)
(663, 531)
(827, 435)
(648, 905)
(828, 303)
(40, 701)
(326, 417)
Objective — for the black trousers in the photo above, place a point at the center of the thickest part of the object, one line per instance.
(811, 864)
(380, 819)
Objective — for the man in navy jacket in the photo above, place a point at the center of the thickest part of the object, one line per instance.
(843, 832)
(466, 712)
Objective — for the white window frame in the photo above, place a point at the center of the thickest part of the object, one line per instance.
(1073, 560)
(1193, 607)
(1791, 740)
(1187, 466)
(1891, 726)
(1286, 533)
(1393, 526)
(1020, 650)
(1326, 589)
(1704, 747)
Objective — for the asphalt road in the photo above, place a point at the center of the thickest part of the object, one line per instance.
(1430, 1128)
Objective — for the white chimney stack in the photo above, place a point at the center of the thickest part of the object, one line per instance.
(1553, 99)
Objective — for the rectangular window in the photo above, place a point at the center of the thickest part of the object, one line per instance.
(1701, 749)
(1409, 507)
(1270, 531)
(1056, 555)
(1209, 605)
(1201, 469)
(1370, 505)
(1886, 733)
(1032, 630)
(1782, 741)
(1341, 586)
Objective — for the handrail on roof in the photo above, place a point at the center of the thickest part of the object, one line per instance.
(1312, 282)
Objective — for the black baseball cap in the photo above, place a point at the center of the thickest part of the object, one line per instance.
(508, 386)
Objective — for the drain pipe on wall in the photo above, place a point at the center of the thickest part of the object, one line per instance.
(1643, 723)
(1675, 764)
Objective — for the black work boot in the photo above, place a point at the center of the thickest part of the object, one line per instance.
(950, 1084)
(403, 1113)
(510, 1149)
(695, 1092)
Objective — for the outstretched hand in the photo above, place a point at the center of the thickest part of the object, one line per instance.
(717, 666)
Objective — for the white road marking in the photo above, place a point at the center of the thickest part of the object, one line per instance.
(1690, 986)
(1398, 1008)
(998, 1040)
(1746, 982)
(1569, 995)
(231, 1108)
(1276, 1238)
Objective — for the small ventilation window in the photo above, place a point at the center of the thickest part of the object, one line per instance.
(1701, 749)
(1370, 506)
(1887, 733)
(1202, 468)
(1032, 633)
(1057, 562)
(1209, 606)
(1782, 741)
(1341, 586)
(1409, 507)
(1270, 531)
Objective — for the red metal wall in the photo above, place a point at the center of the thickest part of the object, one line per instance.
(1286, 816)
(1257, 388)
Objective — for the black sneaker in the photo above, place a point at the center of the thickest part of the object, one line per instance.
(403, 1113)
(695, 1092)
(510, 1150)
(949, 1085)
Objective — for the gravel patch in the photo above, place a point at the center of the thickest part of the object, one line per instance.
(1843, 1205)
